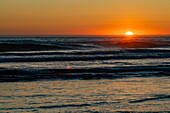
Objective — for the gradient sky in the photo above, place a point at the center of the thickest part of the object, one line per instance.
(84, 17)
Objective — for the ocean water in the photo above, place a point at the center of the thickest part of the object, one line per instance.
(84, 74)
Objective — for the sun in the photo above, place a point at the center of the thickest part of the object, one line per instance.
(129, 33)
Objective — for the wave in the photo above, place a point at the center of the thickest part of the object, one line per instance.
(149, 99)
(14, 75)
(34, 44)
(141, 44)
(96, 52)
(75, 105)
(82, 58)
(27, 47)
(59, 106)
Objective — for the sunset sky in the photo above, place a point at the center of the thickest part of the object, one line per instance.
(84, 17)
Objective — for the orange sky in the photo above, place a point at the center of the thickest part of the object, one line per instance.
(84, 17)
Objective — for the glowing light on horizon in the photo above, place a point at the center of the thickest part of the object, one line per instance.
(129, 33)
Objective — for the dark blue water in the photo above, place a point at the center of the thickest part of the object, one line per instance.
(84, 74)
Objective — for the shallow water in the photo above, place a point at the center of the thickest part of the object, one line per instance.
(130, 94)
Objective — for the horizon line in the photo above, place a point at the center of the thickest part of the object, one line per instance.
(82, 35)
(76, 36)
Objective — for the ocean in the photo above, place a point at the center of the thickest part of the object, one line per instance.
(84, 74)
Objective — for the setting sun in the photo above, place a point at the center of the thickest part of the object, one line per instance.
(129, 33)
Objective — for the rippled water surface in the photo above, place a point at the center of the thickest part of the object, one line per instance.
(84, 74)
(132, 94)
